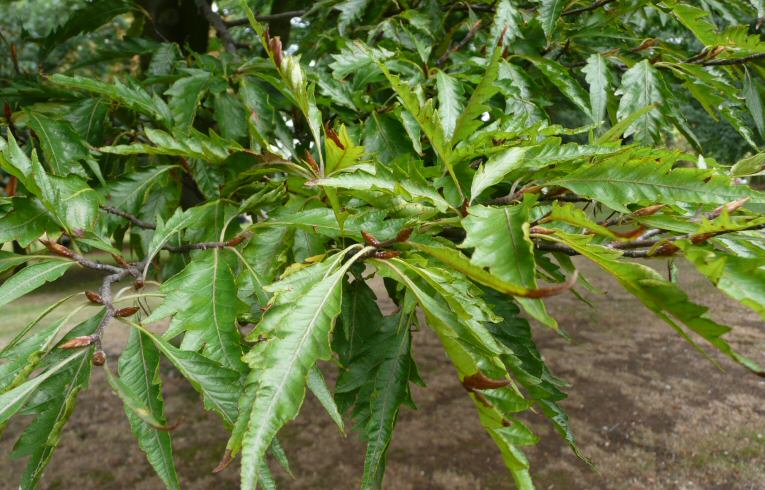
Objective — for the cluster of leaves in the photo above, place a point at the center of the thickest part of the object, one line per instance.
(417, 142)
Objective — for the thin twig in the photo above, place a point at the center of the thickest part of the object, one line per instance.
(266, 18)
(580, 10)
(132, 218)
(470, 35)
(558, 247)
(734, 61)
(218, 24)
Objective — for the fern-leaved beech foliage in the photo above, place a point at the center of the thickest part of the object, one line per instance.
(462, 152)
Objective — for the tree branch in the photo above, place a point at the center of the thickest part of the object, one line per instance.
(580, 10)
(734, 61)
(132, 218)
(266, 18)
(470, 35)
(218, 24)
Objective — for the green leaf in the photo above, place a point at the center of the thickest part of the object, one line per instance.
(527, 366)
(53, 404)
(377, 379)
(507, 16)
(131, 95)
(88, 18)
(449, 102)
(664, 298)
(495, 169)
(568, 213)
(743, 279)
(11, 401)
(26, 223)
(754, 102)
(61, 145)
(469, 121)
(23, 357)
(342, 157)
(139, 372)
(219, 386)
(385, 137)
(350, 12)
(30, 278)
(202, 298)
(315, 382)
(425, 115)
(754, 165)
(619, 184)
(597, 76)
(459, 262)
(549, 14)
(165, 231)
(298, 327)
(641, 87)
(231, 116)
(129, 192)
(501, 243)
(562, 79)
(185, 95)
(88, 119)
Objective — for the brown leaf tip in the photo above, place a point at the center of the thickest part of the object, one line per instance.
(553, 290)
(479, 381)
(225, 462)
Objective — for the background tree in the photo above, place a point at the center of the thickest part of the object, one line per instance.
(461, 151)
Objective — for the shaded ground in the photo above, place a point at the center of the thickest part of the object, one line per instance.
(649, 410)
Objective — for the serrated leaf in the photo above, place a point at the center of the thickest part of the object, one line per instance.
(11, 401)
(617, 185)
(562, 79)
(754, 102)
(219, 386)
(53, 404)
(385, 137)
(597, 76)
(166, 230)
(30, 278)
(754, 165)
(461, 263)
(202, 298)
(128, 193)
(469, 121)
(315, 382)
(549, 14)
(139, 372)
(507, 19)
(743, 279)
(664, 298)
(88, 18)
(298, 333)
(640, 88)
(499, 237)
(449, 102)
(495, 169)
(130, 95)
(185, 95)
(350, 12)
(62, 147)
(24, 356)
(26, 223)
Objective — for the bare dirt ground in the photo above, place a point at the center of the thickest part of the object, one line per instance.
(648, 409)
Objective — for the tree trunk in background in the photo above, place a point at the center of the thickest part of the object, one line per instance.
(177, 21)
